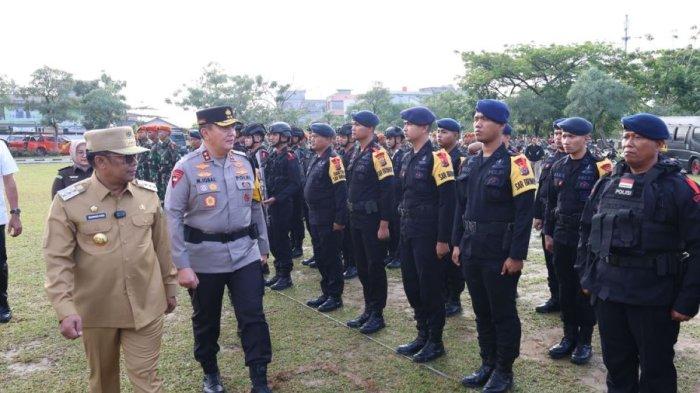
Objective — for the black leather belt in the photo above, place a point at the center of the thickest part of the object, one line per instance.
(196, 236)
(473, 226)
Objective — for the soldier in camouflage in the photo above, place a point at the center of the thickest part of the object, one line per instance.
(164, 155)
(143, 170)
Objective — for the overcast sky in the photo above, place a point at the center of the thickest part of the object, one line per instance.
(320, 46)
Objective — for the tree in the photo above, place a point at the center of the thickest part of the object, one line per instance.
(50, 91)
(378, 100)
(455, 104)
(252, 99)
(101, 101)
(7, 89)
(599, 98)
(670, 83)
(531, 112)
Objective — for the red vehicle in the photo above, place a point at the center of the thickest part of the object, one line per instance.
(40, 145)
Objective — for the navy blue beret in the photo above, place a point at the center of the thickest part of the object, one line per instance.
(194, 134)
(646, 125)
(418, 115)
(494, 110)
(322, 129)
(555, 123)
(345, 129)
(507, 130)
(393, 131)
(576, 126)
(449, 124)
(366, 118)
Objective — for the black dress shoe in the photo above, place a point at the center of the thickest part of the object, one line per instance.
(272, 280)
(332, 303)
(563, 349)
(453, 308)
(430, 351)
(313, 265)
(394, 264)
(414, 346)
(317, 302)
(260, 389)
(350, 273)
(479, 377)
(212, 384)
(282, 283)
(582, 354)
(374, 324)
(359, 321)
(499, 382)
(306, 262)
(547, 307)
(297, 252)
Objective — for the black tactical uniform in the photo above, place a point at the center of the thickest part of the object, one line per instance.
(325, 193)
(454, 279)
(493, 222)
(282, 180)
(394, 258)
(540, 205)
(68, 176)
(636, 229)
(370, 199)
(349, 268)
(427, 212)
(300, 213)
(569, 188)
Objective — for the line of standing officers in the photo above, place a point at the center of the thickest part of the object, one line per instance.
(623, 241)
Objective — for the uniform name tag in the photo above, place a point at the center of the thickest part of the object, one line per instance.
(96, 216)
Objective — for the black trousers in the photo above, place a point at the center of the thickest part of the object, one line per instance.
(454, 280)
(325, 242)
(576, 308)
(423, 276)
(395, 236)
(246, 288)
(278, 234)
(347, 248)
(4, 272)
(297, 224)
(369, 258)
(552, 281)
(497, 321)
(634, 339)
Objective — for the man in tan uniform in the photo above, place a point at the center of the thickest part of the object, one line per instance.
(109, 271)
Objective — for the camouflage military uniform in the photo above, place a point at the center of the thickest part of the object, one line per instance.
(164, 155)
(143, 170)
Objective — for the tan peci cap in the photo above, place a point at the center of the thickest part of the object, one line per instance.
(118, 140)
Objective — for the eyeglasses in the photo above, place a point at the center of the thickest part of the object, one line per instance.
(127, 159)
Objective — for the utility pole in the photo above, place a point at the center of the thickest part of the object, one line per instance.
(626, 37)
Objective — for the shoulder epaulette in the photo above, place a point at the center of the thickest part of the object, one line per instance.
(146, 185)
(73, 190)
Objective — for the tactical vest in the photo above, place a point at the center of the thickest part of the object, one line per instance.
(632, 227)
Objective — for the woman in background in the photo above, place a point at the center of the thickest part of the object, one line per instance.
(80, 169)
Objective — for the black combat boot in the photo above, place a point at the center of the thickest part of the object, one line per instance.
(499, 382)
(414, 346)
(430, 351)
(331, 304)
(479, 377)
(282, 283)
(453, 307)
(547, 307)
(374, 324)
(584, 351)
(212, 383)
(350, 273)
(567, 344)
(317, 302)
(359, 321)
(258, 377)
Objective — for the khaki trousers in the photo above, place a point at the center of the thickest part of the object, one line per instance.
(141, 350)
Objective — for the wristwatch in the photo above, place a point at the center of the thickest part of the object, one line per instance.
(15, 211)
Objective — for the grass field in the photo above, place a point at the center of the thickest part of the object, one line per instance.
(312, 352)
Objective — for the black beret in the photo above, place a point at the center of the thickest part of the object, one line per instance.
(322, 129)
(494, 110)
(576, 125)
(449, 124)
(366, 118)
(418, 115)
(646, 125)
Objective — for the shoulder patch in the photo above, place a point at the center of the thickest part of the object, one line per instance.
(336, 170)
(146, 185)
(604, 167)
(71, 191)
(382, 163)
(240, 153)
(522, 178)
(442, 167)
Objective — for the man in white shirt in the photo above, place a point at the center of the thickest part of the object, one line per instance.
(14, 226)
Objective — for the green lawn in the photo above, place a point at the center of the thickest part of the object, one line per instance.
(312, 352)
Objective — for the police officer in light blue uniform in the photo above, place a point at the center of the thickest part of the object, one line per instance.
(218, 239)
